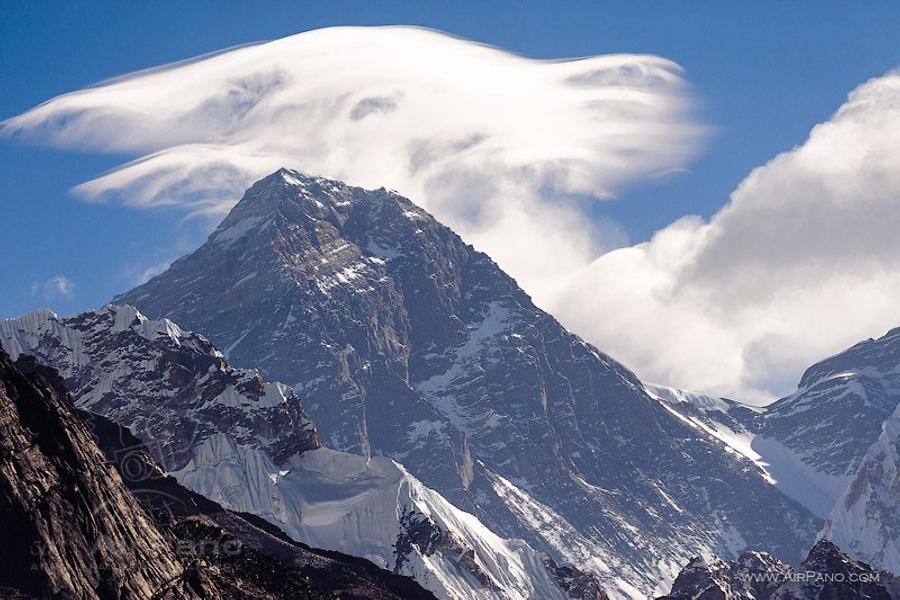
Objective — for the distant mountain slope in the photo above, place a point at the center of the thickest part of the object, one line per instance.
(827, 426)
(247, 444)
(839, 406)
(408, 343)
(831, 445)
(744, 430)
(866, 518)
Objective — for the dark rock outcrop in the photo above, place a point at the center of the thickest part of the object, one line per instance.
(81, 522)
(827, 573)
(70, 527)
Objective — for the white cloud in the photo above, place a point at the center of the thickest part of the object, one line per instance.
(492, 143)
(53, 288)
(803, 262)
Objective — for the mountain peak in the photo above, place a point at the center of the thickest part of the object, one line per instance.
(288, 199)
(408, 343)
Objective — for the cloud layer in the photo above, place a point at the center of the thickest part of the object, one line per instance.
(492, 143)
(803, 261)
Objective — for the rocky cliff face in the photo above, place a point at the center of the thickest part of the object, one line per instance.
(408, 343)
(246, 444)
(70, 527)
(826, 573)
(81, 522)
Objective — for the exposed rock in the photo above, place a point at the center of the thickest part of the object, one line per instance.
(577, 584)
(171, 387)
(84, 523)
(70, 527)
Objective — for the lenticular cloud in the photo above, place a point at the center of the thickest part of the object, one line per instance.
(490, 142)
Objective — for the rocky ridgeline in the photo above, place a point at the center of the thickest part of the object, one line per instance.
(81, 522)
(827, 573)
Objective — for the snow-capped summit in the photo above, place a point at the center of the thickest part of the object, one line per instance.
(406, 342)
(285, 194)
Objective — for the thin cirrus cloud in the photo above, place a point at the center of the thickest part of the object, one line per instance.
(498, 146)
(802, 262)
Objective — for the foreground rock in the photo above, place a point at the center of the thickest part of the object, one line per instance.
(70, 528)
(73, 528)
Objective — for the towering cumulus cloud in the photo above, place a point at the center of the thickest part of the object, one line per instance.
(803, 261)
(490, 142)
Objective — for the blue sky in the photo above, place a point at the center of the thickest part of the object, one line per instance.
(764, 73)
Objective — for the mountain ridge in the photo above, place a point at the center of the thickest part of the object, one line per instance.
(826, 573)
(368, 307)
(831, 445)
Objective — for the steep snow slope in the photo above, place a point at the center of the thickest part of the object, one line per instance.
(866, 519)
(737, 426)
(373, 508)
(407, 343)
(247, 444)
